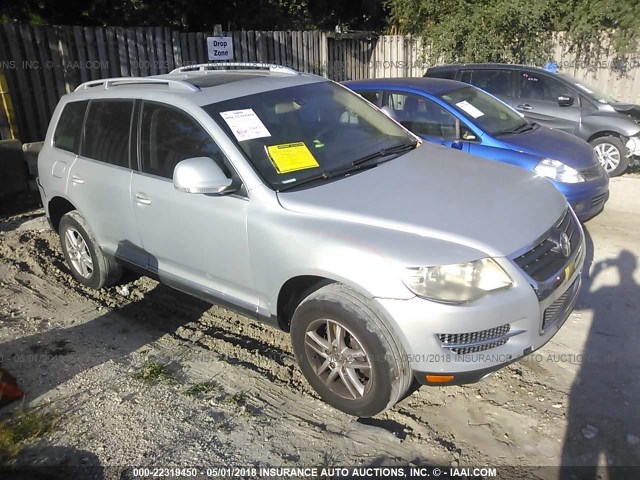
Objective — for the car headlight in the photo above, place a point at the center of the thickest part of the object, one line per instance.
(558, 171)
(457, 283)
(633, 145)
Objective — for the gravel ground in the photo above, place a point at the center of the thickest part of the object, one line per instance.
(142, 375)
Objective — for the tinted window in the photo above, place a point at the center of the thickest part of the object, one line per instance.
(540, 87)
(69, 129)
(170, 136)
(106, 131)
(450, 74)
(372, 95)
(497, 82)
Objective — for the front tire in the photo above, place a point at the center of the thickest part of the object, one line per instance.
(347, 353)
(612, 154)
(87, 263)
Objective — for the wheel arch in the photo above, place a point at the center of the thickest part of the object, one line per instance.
(606, 133)
(57, 208)
(299, 287)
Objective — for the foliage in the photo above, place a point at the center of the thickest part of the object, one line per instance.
(517, 31)
(475, 31)
(202, 15)
(590, 25)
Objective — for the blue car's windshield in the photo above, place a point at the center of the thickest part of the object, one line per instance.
(297, 134)
(487, 112)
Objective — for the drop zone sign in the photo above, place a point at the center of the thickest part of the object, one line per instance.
(220, 48)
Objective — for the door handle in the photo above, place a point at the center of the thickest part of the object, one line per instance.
(77, 180)
(142, 199)
(525, 106)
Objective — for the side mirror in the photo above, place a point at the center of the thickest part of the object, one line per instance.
(201, 175)
(565, 100)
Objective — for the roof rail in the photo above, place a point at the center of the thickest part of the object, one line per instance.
(203, 67)
(107, 83)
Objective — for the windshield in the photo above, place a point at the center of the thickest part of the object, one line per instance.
(593, 92)
(489, 113)
(296, 133)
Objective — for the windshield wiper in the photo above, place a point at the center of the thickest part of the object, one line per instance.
(326, 175)
(356, 166)
(525, 127)
(385, 152)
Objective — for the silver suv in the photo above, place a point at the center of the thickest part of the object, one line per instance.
(286, 197)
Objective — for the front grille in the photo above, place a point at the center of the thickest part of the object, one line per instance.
(545, 259)
(558, 309)
(473, 342)
(598, 201)
(593, 173)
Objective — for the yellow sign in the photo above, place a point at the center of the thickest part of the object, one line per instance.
(290, 157)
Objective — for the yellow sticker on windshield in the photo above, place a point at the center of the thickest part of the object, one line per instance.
(290, 157)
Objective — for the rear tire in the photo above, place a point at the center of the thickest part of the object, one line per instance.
(347, 352)
(85, 259)
(612, 154)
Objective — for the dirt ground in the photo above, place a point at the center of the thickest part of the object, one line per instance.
(140, 374)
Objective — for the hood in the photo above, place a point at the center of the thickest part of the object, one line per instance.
(549, 143)
(629, 109)
(440, 193)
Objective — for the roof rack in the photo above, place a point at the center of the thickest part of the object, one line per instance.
(203, 67)
(107, 83)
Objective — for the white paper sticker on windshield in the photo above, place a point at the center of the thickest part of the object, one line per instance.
(470, 109)
(245, 124)
(579, 85)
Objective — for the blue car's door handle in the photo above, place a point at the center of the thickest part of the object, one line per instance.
(525, 106)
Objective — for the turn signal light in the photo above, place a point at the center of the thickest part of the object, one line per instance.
(439, 378)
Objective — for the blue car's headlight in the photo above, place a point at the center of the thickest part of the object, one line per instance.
(558, 171)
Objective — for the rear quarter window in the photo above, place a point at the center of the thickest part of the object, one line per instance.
(448, 74)
(107, 131)
(69, 129)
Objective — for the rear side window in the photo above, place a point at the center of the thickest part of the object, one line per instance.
(170, 136)
(107, 131)
(69, 129)
(496, 82)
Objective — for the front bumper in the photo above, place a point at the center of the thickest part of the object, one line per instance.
(468, 342)
(587, 199)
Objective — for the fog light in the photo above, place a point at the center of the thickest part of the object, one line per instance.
(579, 207)
(439, 378)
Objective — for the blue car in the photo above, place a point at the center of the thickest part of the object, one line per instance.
(461, 116)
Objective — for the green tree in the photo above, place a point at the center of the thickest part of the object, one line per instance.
(479, 31)
(593, 25)
(517, 31)
(201, 15)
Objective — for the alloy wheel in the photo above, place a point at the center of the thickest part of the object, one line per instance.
(608, 155)
(338, 358)
(78, 252)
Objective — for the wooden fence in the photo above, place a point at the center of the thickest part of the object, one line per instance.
(42, 63)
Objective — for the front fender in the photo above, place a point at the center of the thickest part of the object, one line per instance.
(369, 259)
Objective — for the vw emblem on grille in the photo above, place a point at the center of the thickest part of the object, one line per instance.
(562, 242)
